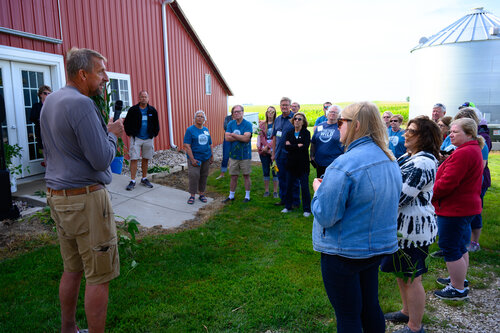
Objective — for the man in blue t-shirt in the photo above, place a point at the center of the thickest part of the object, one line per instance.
(141, 125)
(239, 133)
(279, 154)
(323, 118)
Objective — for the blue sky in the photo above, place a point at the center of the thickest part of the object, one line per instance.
(319, 50)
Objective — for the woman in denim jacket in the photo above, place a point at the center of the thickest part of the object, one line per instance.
(355, 218)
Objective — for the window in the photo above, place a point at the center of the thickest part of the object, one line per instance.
(208, 84)
(120, 88)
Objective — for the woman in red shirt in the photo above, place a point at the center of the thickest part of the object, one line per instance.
(456, 200)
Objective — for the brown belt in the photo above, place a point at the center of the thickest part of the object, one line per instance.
(76, 191)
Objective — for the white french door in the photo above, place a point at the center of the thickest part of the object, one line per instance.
(20, 83)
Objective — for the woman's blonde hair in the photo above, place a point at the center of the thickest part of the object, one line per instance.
(468, 113)
(469, 127)
(366, 121)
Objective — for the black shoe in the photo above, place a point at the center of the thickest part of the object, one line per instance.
(437, 254)
(130, 186)
(146, 183)
(281, 203)
(246, 200)
(227, 200)
(406, 329)
(447, 281)
(451, 293)
(397, 317)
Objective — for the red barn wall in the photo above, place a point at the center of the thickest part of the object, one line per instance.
(129, 34)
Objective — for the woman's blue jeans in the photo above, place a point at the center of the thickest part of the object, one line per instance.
(226, 147)
(266, 162)
(352, 288)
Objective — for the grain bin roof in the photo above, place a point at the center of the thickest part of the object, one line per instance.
(477, 25)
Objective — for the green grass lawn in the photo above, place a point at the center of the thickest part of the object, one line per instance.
(248, 269)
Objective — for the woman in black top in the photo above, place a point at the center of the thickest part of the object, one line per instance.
(297, 144)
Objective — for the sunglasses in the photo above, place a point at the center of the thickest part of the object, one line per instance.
(394, 121)
(299, 119)
(46, 93)
(341, 121)
(411, 131)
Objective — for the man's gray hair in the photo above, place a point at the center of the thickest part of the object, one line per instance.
(77, 59)
(440, 105)
(331, 107)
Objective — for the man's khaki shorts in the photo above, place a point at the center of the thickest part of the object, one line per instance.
(87, 234)
(137, 145)
(240, 166)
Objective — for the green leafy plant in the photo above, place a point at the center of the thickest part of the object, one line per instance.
(157, 169)
(43, 216)
(128, 245)
(40, 193)
(11, 152)
(104, 104)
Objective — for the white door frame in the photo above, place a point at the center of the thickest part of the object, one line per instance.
(14, 113)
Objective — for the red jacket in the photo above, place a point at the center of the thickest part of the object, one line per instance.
(458, 182)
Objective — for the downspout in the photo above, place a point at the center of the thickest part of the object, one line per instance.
(167, 72)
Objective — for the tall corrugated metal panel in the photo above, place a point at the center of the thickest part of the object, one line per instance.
(188, 68)
(37, 17)
(129, 33)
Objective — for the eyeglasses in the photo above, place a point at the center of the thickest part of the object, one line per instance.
(284, 105)
(411, 131)
(341, 121)
(299, 119)
(326, 107)
(237, 111)
(442, 125)
(46, 93)
(394, 121)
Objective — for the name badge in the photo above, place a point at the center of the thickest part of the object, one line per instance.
(144, 118)
(320, 128)
(278, 134)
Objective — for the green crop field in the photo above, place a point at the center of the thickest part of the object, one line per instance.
(313, 111)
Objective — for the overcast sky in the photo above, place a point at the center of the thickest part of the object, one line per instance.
(318, 50)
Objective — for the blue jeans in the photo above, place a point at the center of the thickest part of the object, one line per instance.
(282, 178)
(266, 162)
(352, 288)
(226, 147)
(303, 179)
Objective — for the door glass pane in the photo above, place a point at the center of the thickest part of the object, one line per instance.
(35, 79)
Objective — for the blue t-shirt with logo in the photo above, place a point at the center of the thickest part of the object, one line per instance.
(200, 141)
(320, 120)
(240, 150)
(327, 145)
(396, 142)
(143, 133)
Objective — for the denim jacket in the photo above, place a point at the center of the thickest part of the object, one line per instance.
(356, 206)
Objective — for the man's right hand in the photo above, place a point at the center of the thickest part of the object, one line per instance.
(116, 127)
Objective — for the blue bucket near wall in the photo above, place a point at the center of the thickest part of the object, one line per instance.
(117, 165)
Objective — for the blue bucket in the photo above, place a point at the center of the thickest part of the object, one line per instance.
(117, 165)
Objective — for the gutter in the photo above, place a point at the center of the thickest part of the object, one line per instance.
(167, 72)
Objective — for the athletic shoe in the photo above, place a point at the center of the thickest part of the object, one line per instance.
(281, 203)
(437, 254)
(286, 210)
(451, 293)
(396, 317)
(227, 200)
(447, 281)
(146, 183)
(246, 200)
(275, 195)
(473, 247)
(130, 186)
(306, 214)
(220, 177)
(266, 194)
(406, 329)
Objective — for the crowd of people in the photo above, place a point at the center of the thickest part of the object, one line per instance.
(381, 197)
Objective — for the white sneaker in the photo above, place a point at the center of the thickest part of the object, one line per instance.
(306, 214)
(285, 210)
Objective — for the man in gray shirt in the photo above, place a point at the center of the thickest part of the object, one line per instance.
(79, 148)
